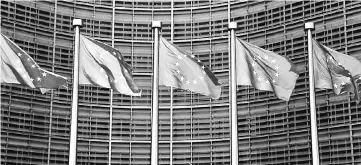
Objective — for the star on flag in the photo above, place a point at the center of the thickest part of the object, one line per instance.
(253, 64)
(277, 67)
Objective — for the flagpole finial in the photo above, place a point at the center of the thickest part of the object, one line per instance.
(232, 25)
(77, 22)
(156, 24)
(309, 26)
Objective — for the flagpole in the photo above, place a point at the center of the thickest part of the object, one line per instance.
(156, 25)
(233, 95)
(77, 23)
(309, 26)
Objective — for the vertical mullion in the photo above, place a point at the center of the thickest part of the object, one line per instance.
(191, 93)
(52, 91)
(131, 98)
(111, 95)
(229, 71)
(171, 92)
(349, 97)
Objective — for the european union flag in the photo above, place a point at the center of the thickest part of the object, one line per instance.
(264, 70)
(180, 69)
(337, 71)
(18, 67)
(101, 65)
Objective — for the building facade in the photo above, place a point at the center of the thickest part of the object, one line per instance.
(193, 129)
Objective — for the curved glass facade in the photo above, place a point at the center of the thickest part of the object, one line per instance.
(116, 129)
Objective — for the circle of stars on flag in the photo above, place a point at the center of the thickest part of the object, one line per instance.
(261, 78)
(194, 80)
(343, 83)
(36, 70)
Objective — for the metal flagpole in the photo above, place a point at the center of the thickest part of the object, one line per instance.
(156, 25)
(309, 26)
(52, 91)
(233, 95)
(77, 23)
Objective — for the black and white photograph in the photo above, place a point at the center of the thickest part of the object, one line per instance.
(180, 82)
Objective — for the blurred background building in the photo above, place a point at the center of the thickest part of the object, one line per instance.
(116, 129)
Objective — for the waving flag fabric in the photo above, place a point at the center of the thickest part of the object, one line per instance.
(264, 70)
(18, 67)
(180, 69)
(101, 65)
(337, 71)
